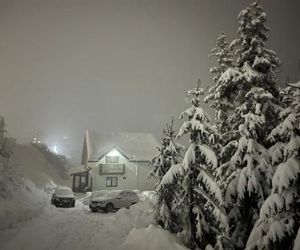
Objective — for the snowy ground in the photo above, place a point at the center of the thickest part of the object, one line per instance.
(78, 228)
(59, 228)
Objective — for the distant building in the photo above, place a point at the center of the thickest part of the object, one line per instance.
(115, 161)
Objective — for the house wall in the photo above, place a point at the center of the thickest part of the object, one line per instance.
(128, 180)
(135, 176)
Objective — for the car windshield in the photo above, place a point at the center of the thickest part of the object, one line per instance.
(105, 193)
(64, 191)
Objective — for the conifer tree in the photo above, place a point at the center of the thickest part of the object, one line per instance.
(167, 196)
(201, 197)
(222, 104)
(218, 101)
(251, 86)
(279, 218)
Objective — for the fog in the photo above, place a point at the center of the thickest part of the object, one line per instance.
(71, 65)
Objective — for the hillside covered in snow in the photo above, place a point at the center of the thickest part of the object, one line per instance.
(27, 179)
(29, 161)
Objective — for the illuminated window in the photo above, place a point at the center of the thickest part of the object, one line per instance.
(111, 159)
(111, 181)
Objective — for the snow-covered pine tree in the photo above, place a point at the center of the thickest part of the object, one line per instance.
(201, 197)
(167, 196)
(251, 86)
(158, 162)
(217, 100)
(222, 102)
(254, 172)
(255, 65)
(279, 218)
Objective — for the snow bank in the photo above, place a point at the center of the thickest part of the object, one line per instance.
(85, 199)
(137, 216)
(26, 182)
(151, 238)
(138, 224)
(148, 195)
(20, 199)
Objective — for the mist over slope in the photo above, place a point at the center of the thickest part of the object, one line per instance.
(29, 161)
(27, 180)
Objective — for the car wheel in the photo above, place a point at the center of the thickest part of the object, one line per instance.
(109, 208)
(94, 210)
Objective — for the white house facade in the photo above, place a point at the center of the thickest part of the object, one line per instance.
(116, 161)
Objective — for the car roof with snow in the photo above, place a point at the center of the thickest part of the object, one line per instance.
(63, 191)
(105, 193)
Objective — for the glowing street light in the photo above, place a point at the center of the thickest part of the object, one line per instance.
(55, 149)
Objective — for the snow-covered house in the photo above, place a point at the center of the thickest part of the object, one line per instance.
(116, 161)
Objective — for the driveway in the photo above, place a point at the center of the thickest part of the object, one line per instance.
(65, 228)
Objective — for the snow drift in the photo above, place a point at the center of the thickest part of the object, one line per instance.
(151, 238)
(20, 199)
(26, 181)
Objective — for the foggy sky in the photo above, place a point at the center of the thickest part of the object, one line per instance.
(71, 65)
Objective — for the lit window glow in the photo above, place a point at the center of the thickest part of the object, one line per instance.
(113, 152)
(55, 149)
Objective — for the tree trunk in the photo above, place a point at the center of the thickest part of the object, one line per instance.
(192, 243)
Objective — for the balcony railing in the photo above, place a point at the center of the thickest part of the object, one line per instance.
(111, 168)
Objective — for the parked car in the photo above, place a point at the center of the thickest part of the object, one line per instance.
(63, 197)
(109, 201)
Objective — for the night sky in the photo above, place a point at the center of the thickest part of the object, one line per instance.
(71, 65)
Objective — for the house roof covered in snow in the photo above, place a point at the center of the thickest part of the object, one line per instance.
(135, 146)
(77, 169)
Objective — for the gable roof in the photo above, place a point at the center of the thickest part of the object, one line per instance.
(135, 146)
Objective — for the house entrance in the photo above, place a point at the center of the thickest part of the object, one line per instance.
(80, 182)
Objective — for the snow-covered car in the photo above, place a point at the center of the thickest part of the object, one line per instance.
(110, 201)
(63, 197)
